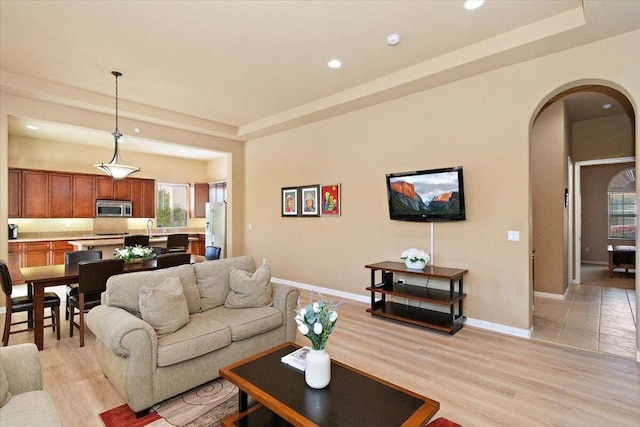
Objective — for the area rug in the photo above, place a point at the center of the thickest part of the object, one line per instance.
(202, 406)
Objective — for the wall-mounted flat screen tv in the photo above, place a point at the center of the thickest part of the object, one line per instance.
(427, 195)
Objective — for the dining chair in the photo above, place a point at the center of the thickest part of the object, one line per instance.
(212, 253)
(72, 259)
(25, 303)
(177, 243)
(172, 259)
(136, 239)
(92, 281)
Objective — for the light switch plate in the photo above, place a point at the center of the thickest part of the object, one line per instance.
(513, 236)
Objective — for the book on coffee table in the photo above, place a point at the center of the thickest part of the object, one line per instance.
(296, 358)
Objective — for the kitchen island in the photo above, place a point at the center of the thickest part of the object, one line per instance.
(107, 246)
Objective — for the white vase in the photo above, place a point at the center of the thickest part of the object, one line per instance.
(317, 371)
(415, 265)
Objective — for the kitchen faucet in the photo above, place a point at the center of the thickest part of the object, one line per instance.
(149, 226)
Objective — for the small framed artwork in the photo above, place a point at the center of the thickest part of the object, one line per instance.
(309, 200)
(290, 201)
(330, 200)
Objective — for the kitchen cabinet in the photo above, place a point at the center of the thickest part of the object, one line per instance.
(57, 248)
(35, 254)
(60, 195)
(35, 198)
(122, 189)
(14, 261)
(51, 194)
(84, 196)
(104, 187)
(199, 198)
(197, 246)
(15, 196)
(143, 192)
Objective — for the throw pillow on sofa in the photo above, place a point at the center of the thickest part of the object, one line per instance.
(250, 290)
(164, 307)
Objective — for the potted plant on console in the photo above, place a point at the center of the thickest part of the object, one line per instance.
(415, 259)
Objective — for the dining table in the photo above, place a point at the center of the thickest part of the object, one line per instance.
(41, 277)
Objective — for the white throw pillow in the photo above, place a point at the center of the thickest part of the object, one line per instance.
(164, 306)
(249, 290)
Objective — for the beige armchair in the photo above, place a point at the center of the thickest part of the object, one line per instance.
(23, 402)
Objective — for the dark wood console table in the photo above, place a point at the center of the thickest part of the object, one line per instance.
(450, 322)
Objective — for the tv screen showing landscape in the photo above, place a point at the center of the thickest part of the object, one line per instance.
(427, 195)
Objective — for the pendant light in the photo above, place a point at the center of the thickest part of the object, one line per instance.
(113, 168)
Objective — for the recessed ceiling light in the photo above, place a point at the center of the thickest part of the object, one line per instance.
(607, 106)
(473, 4)
(393, 39)
(335, 63)
(32, 127)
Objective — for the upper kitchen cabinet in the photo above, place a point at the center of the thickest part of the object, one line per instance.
(35, 194)
(104, 188)
(84, 196)
(122, 189)
(60, 195)
(143, 192)
(15, 196)
(199, 198)
(50, 194)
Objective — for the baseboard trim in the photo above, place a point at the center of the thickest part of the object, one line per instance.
(476, 323)
(552, 296)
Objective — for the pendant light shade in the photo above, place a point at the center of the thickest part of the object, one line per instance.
(113, 168)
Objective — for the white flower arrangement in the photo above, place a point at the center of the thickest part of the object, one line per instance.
(316, 320)
(129, 253)
(414, 255)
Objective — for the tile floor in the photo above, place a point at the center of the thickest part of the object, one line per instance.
(592, 317)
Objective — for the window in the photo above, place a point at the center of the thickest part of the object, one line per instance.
(172, 205)
(623, 205)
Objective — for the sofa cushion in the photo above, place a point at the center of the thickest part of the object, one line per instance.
(249, 290)
(33, 408)
(212, 278)
(164, 307)
(203, 334)
(4, 387)
(248, 322)
(123, 289)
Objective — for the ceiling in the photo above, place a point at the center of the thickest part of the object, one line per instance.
(244, 69)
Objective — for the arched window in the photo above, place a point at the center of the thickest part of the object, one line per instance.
(622, 205)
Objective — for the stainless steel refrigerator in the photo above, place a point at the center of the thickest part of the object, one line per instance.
(216, 226)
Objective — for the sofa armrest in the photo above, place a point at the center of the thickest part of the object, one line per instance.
(120, 331)
(285, 298)
(21, 364)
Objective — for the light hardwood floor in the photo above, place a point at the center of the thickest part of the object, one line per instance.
(480, 378)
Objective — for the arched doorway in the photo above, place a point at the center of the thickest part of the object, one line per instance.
(585, 127)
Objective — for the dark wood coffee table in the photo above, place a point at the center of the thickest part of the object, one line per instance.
(352, 398)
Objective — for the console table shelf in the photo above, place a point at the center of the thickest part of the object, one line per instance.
(450, 322)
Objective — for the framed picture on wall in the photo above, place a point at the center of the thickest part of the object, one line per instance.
(290, 201)
(330, 200)
(309, 200)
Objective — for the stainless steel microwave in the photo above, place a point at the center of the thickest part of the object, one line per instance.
(113, 208)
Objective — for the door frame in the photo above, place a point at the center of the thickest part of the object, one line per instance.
(577, 202)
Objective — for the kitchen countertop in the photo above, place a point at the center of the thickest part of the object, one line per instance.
(85, 237)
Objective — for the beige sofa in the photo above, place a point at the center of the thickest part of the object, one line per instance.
(226, 323)
(23, 402)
